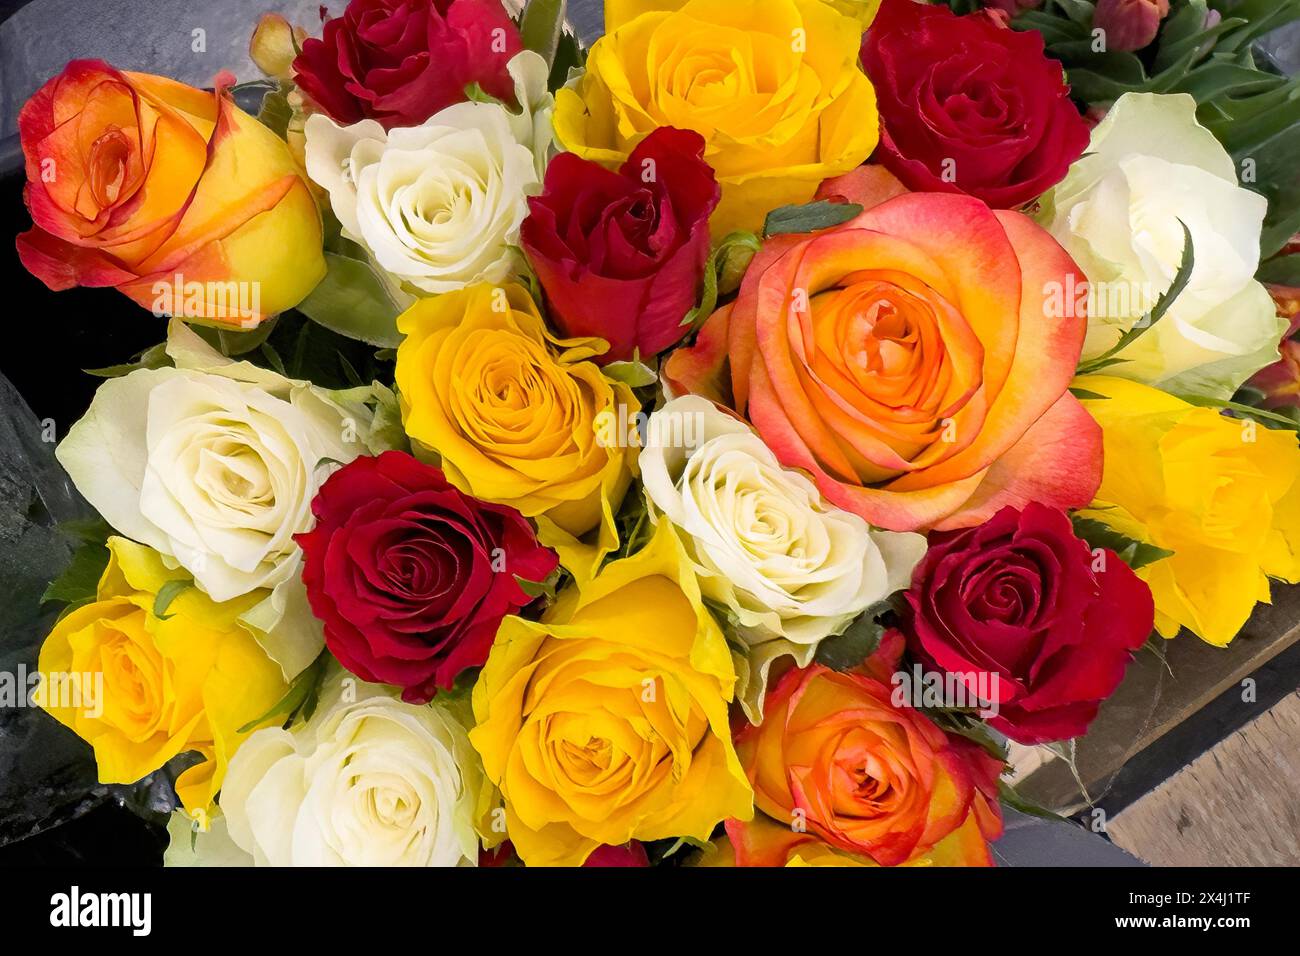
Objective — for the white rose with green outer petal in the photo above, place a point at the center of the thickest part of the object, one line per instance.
(214, 464)
(1151, 164)
(438, 206)
(368, 781)
(790, 568)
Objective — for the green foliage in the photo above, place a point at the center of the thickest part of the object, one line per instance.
(1252, 110)
(858, 641)
(1098, 534)
(1143, 325)
(301, 698)
(723, 272)
(809, 217)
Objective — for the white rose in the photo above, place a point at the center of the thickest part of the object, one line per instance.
(438, 206)
(370, 781)
(214, 464)
(1117, 213)
(790, 567)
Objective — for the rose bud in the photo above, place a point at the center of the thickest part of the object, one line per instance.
(401, 61)
(620, 255)
(1129, 24)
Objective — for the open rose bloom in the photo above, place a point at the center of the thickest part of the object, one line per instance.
(757, 436)
(904, 359)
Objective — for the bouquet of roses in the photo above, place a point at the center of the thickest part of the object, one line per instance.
(769, 412)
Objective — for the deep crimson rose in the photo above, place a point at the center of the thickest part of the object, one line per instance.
(410, 576)
(1022, 598)
(631, 854)
(968, 105)
(620, 255)
(401, 61)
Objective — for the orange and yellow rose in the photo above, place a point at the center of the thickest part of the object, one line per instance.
(835, 764)
(907, 360)
(773, 86)
(174, 196)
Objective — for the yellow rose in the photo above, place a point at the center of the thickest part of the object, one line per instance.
(607, 721)
(864, 11)
(1221, 493)
(773, 86)
(142, 688)
(517, 416)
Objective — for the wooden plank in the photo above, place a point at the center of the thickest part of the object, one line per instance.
(1235, 805)
(1156, 696)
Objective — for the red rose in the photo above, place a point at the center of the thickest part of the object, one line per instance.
(967, 105)
(1021, 598)
(628, 855)
(401, 61)
(410, 576)
(620, 255)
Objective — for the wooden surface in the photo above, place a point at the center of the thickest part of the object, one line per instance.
(1157, 695)
(1235, 805)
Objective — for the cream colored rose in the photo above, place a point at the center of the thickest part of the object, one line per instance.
(214, 464)
(438, 206)
(368, 781)
(1150, 164)
(790, 567)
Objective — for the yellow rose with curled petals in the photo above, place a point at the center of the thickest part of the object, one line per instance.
(607, 720)
(1223, 494)
(142, 688)
(517, 416)
(773, 86)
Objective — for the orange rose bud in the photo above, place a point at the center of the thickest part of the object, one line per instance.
(1129, 24)
(171, 195)
(836, 762)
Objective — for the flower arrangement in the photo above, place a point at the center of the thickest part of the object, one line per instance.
(778, 407)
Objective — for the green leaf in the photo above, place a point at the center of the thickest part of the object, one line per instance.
(536, 589)
(1282, 270)
(276, 112)
(1016, 801)
(166, 594)
(727, 264)
(570, 58)
(542, 26)
(1158, 311)
(633, 373)
(973, 729)
(302, 697)
(1098, 534)
(858, 641)
(79, 582)
(809, 217)
(153, 357)
(476, 94)
(1084, 395)
(353, 301)
(1250, 411)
